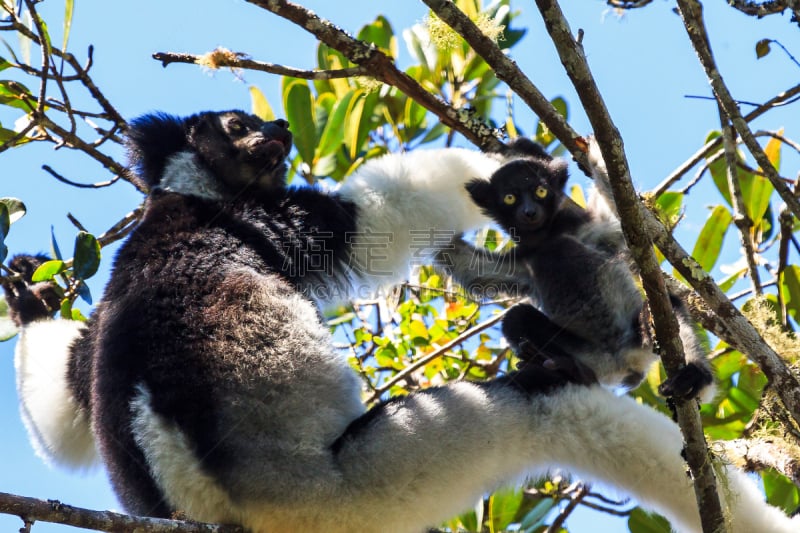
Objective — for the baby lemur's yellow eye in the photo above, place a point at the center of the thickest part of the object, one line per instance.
(509, 199)
(235, 126)
(541, 192)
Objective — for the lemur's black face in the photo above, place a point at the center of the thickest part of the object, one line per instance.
(521, 196)
(241, 149)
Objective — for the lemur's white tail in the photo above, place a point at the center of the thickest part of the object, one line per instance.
(59, 429)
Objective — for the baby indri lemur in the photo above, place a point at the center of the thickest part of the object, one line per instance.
(575, 266)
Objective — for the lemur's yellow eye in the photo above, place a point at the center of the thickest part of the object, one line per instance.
(509, 199)
(541, 192)
(235, 126)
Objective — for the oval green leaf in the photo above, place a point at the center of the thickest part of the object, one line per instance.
(380, 34)
(333, 135)
(48, 270)
(5, 221)
(643, 522)
(86, 257)
(709, 242)
(16, 209)
(298, 102)
(260, 105)
(503, 507)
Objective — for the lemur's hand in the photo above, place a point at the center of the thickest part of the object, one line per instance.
(29, 301)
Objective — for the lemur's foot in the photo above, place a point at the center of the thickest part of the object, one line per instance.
(688, 383)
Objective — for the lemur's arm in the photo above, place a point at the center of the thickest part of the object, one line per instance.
(482, 273)
(408, 206)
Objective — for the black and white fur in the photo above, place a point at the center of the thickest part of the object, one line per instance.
(575, 266)
(209, 383)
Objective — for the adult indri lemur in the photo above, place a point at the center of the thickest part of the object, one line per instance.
(208, 382)
(576, 267)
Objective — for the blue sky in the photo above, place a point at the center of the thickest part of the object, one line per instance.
(643, 64)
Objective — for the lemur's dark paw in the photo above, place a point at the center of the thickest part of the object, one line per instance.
(690, 381)
(29, 301)
(542, 378)
(562, 368)
(556, 359)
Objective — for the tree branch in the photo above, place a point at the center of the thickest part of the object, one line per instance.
(382, 67)
(632, 217)
(33, 509)
(758, 454)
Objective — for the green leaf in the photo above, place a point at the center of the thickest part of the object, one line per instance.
(669, 205)
(298, 103)
(380, 34)
(791, 290)
(352, 123)
(48, 270)
(333, 135)
(762, 48)
(15, 94)
(69, 8)
(82, 290)
(86, 257)
(543, 135)
(780, 491)
(5, 221)
(727, 283)
(503, 506)
(16, 209)
(535, 517)
(77, 315)
(709, 243)
(756, 193)
(4, 63)
(54, 245)
(643, 522)
(260, 105)
(414, 115)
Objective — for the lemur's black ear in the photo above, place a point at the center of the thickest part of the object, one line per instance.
(522, 146)
(558, 174)
(480, 191)
(151, 140)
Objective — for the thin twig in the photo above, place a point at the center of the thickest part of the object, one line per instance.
(740, 217)
(98, 185)
(711, 146)
(691, 13)
(419, 363)
(167, 58)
